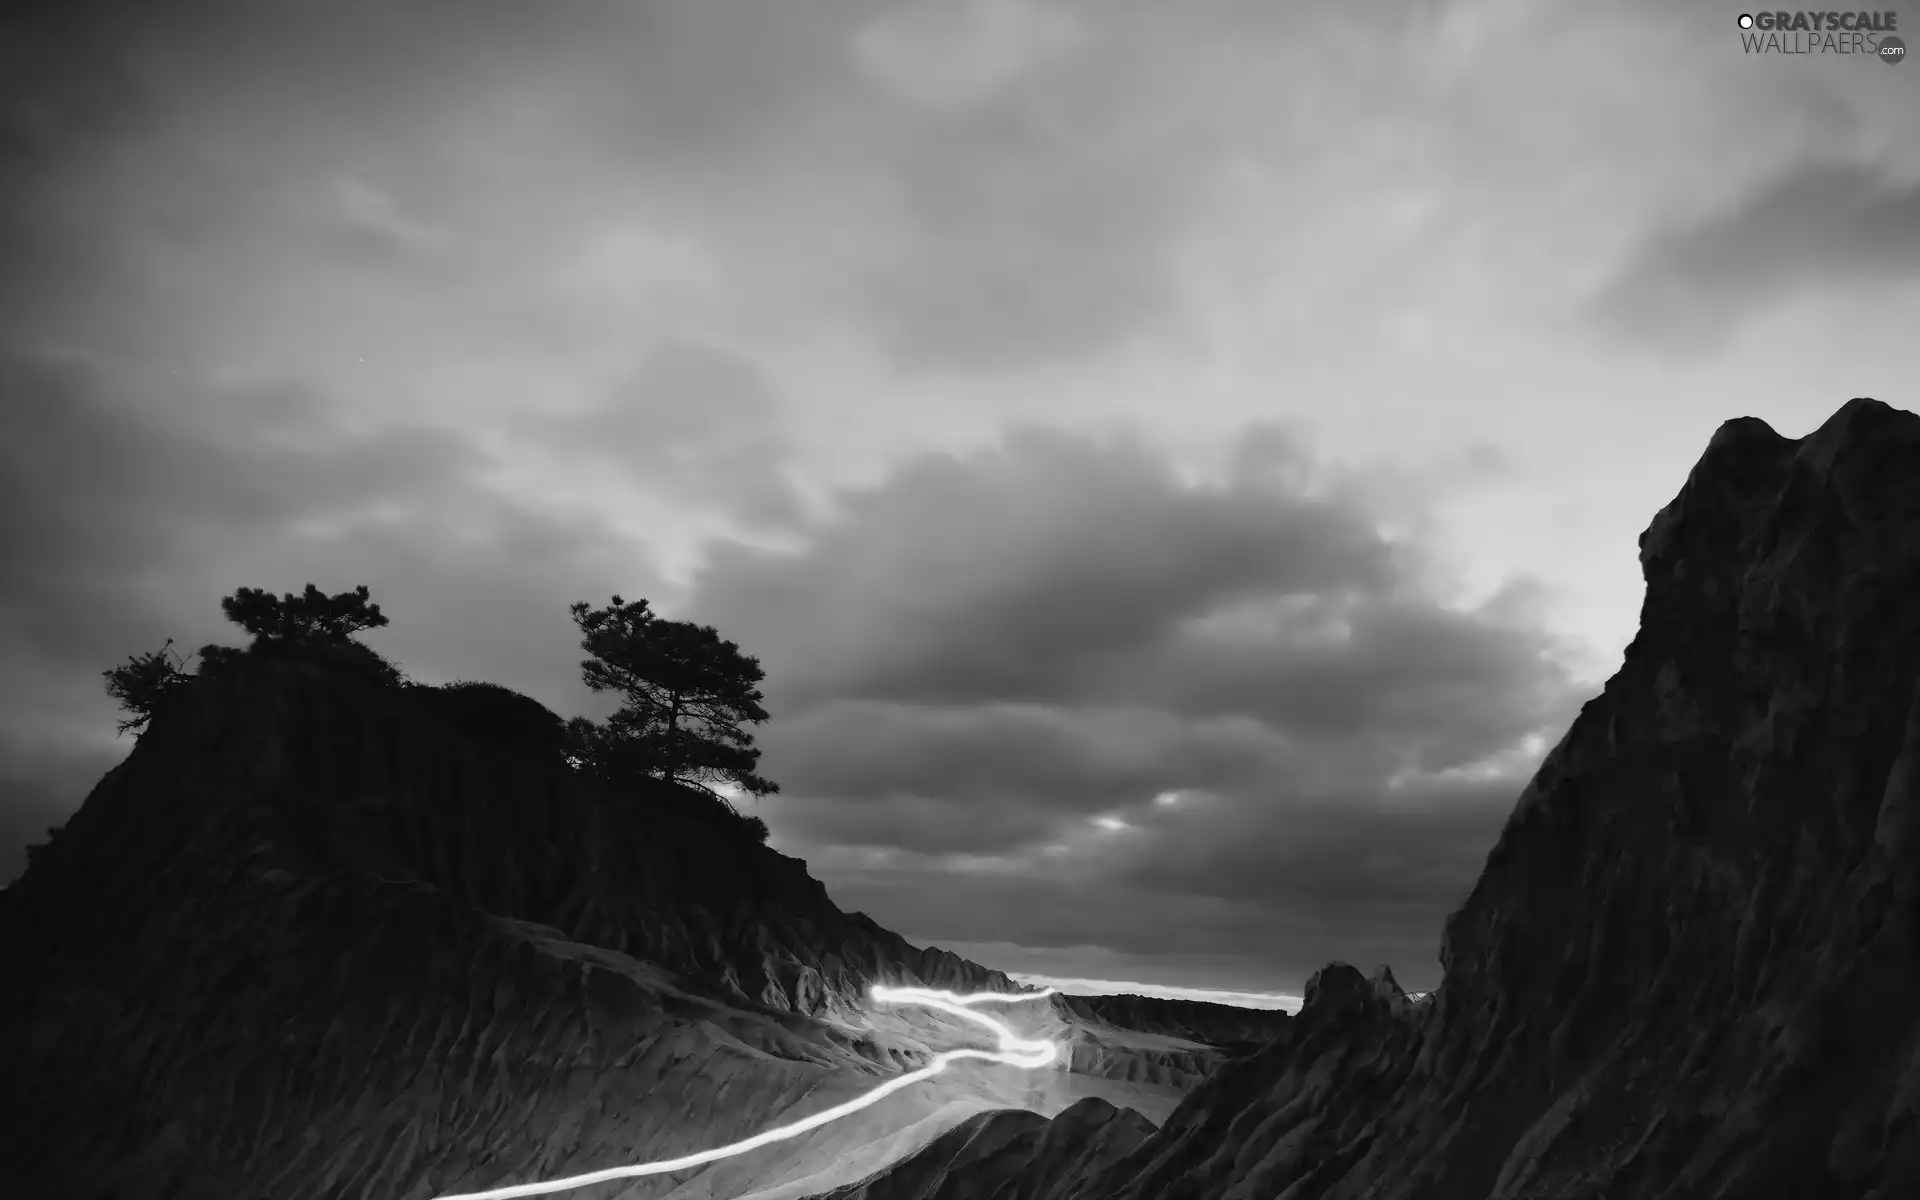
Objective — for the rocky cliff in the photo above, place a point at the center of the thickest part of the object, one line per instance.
(308, 942)
(1688, 970)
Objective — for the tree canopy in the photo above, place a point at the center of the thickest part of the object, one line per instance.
(311, 616)
(689, 693)
(308, 626)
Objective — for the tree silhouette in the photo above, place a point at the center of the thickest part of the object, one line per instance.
(143, 682)
(587, 747)
(311, 616)
(688, 694)
(310, 626)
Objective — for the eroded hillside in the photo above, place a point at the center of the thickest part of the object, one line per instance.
(308, 942)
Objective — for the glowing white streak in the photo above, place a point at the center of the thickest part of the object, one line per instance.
(1014, 1051)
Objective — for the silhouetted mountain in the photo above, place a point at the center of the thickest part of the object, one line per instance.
(309, 940)
(1688, 970)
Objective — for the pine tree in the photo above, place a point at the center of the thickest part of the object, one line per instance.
(688, 695)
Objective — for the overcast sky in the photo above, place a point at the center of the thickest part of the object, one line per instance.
(1179, 464)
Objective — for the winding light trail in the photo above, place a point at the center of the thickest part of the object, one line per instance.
(1014, 1051)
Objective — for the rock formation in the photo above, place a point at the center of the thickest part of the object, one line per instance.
(1688, 970)
(308, 941)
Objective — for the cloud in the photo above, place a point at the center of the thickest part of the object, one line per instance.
(1042, 221)
(695, 422)
(1023, 569)
(1691, 284)
(1071, 181)
(954, 56)
(378, 225)
(997, 669)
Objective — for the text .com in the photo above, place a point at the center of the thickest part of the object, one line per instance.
(1868, 34)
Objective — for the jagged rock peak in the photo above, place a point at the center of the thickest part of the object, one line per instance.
(1743, 430)
(1335, 989)
(1747, 465)
(1338, 993)
(1387, 990)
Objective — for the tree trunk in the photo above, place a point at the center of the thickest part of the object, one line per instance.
(669, 768)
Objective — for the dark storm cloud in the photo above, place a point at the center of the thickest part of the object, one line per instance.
(1182, 702)
(982, 778)
(1022, 572)
(1690, 285)
(1443, 686)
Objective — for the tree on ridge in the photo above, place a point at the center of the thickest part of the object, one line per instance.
(310, 626)
(689, 694)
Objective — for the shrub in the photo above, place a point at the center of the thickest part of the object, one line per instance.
(345, 657)
(499, 716)
(310, 616)
(144, 682)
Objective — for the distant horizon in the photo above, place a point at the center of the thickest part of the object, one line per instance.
(1114, 987)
